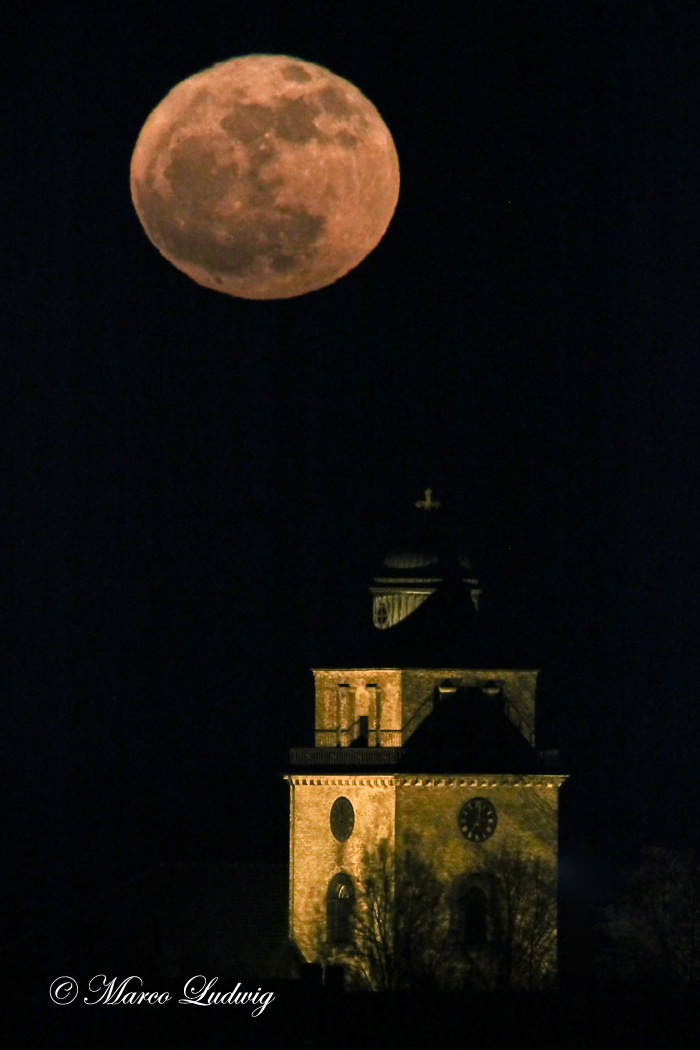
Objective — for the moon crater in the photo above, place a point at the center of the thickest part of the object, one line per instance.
(265, 177)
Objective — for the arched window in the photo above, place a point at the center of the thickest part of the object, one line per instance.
(474, 917)
(340, 900)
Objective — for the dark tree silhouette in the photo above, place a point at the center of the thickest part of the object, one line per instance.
(493, 927)
(653, 929)
(519, 898)
(400, 929)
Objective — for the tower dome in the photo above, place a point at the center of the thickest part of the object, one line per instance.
(414, 571)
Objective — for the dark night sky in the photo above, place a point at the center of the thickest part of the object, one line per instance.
(198, 487)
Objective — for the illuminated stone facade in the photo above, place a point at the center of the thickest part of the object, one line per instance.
(386, 805)
(395, 702)
(406, 742)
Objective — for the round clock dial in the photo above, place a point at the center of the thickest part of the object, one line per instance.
(342, 818)
(477, 819)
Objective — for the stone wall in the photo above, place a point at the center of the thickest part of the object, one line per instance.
(343, 696)
(316, 855)
(396, 702)
(385, 807)
(518, 687)
(526, 808)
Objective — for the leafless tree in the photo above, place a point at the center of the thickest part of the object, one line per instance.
(520, 950)
(400, 928)
(412, 928)
(654, 927)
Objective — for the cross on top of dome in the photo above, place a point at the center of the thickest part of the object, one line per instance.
(427, 503)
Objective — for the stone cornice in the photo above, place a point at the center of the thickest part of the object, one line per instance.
(432, 780)
(354, 670)
(361, 779)
(446, 672)
(479, 780)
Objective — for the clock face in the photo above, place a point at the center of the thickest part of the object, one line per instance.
(342, 818)
(477, 819)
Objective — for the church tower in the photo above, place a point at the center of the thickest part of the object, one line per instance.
(430, 741)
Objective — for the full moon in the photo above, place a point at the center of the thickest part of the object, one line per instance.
(265, 177)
